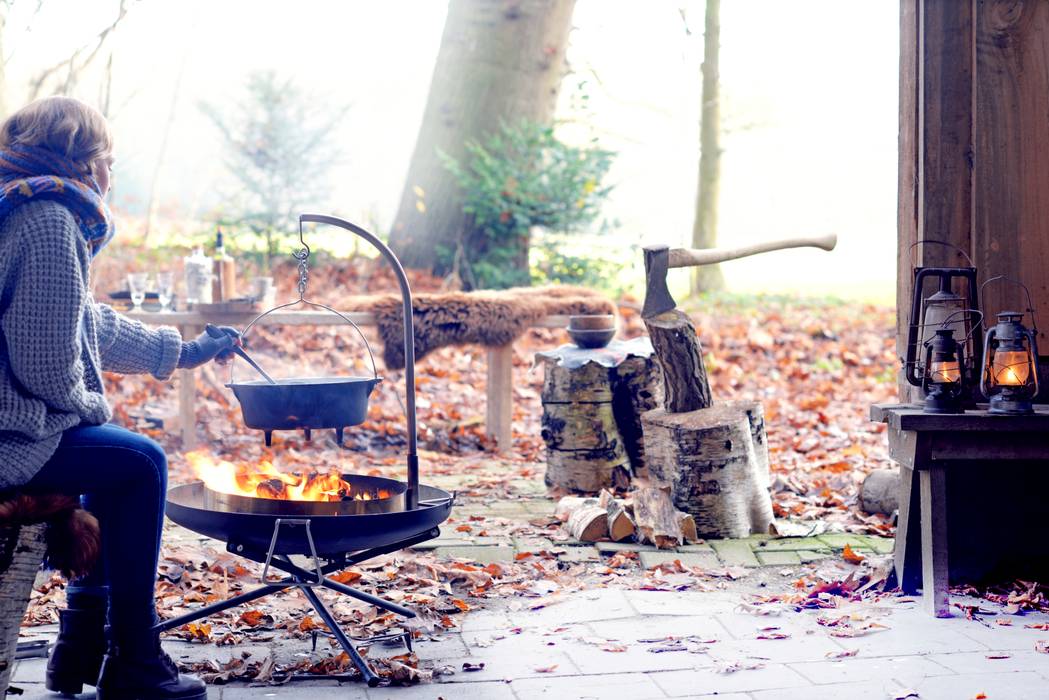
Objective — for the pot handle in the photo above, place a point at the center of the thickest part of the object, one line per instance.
(367, 345)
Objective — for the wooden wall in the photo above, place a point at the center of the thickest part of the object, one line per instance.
(974, 146)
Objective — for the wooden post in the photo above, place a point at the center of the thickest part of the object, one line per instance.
(500, 401)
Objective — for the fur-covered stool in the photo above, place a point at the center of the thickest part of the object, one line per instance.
(34, 529)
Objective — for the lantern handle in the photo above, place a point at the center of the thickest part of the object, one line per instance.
(1030, 304)
(946, 321)
(1032, 338)
(943, 243)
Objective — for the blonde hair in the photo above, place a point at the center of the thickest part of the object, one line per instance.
(62, 125)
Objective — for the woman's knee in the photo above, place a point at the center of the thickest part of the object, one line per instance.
(147, 460)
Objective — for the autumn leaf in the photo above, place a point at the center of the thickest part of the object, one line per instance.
(851, 556)
(346, 576)
(254, 618)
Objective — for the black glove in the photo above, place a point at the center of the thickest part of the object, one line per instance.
(215, 343)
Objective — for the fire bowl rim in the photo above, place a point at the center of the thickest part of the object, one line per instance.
(257, 505)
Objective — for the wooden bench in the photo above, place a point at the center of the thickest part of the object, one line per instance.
(499, 390)
(972, 492)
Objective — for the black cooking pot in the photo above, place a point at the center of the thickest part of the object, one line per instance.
(304, 402)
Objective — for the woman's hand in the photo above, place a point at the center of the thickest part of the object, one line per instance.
(215, 343)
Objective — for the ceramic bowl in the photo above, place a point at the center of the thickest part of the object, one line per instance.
(587, 338)
(592, 322)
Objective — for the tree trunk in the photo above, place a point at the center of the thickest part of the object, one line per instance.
(685, 384)
(498, 61)
(705, 226)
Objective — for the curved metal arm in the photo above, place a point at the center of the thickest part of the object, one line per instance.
(412, 495)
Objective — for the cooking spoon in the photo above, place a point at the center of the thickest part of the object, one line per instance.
(216, 332)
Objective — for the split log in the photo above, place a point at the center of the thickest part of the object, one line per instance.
(688, 527)
(680, 355)
(620, 524)
(715, 462)
(588, 523)
(568, 504)
(656, 517)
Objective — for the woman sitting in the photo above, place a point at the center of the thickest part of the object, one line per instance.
(55, 435)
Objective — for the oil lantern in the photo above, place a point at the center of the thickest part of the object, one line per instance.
(954, 305)
(1010, 366)
(944, 382)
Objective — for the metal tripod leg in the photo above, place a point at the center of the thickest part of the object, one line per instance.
(207, 610)
(369, 676)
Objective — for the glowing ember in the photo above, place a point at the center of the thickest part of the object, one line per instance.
(263, 480)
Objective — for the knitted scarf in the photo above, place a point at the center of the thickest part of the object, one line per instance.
(27, 174)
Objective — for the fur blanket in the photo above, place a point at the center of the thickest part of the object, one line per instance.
(73, 541)
(489, 318)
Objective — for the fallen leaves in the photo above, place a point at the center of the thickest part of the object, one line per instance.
(851, 556)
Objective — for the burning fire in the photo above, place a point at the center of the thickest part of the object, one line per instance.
(263, 480)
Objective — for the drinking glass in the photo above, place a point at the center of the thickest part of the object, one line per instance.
(165, 287)
(136, 284)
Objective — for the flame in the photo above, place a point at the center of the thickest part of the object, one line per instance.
(263, 480)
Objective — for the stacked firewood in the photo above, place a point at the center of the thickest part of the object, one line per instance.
(646, 515)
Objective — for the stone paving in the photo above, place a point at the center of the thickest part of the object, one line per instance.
(592, 644)
(587, 646)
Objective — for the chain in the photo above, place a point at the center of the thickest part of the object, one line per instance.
(302, 256)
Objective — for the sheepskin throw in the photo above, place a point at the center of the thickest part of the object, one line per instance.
(489, 318)
(73, 539)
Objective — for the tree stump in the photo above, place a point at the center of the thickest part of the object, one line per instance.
(592, 406)
(21, 552)
(715, 462)
(713, 457)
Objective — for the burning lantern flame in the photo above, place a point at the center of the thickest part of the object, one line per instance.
(263, 480)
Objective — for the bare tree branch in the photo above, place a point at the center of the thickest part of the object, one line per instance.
(70, 65)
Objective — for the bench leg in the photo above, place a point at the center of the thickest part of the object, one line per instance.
(935, 597)
(187, 412)
(907, 548)
(500, 405)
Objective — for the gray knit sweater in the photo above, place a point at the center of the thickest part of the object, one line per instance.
(55, 340)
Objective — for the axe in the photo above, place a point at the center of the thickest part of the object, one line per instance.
(660, 258)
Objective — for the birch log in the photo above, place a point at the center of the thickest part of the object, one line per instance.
(21, 551)
(715, 462)
(656, 518)
(680, 354)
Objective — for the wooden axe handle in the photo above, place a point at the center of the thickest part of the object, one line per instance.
(688, 257)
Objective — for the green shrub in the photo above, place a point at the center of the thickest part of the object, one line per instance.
(519, 178)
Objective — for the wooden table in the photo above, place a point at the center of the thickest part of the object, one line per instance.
(499, 391)
(981, 475)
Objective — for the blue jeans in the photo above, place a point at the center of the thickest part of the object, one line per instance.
(122, 479)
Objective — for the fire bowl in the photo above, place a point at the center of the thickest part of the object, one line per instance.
(370, 485)
(332, 534)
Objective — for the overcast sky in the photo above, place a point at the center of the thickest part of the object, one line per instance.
(809, 108)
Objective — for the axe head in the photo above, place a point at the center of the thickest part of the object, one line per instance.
(657, 296)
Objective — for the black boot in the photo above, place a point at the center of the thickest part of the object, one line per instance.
(142, 671)
(77, 656)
